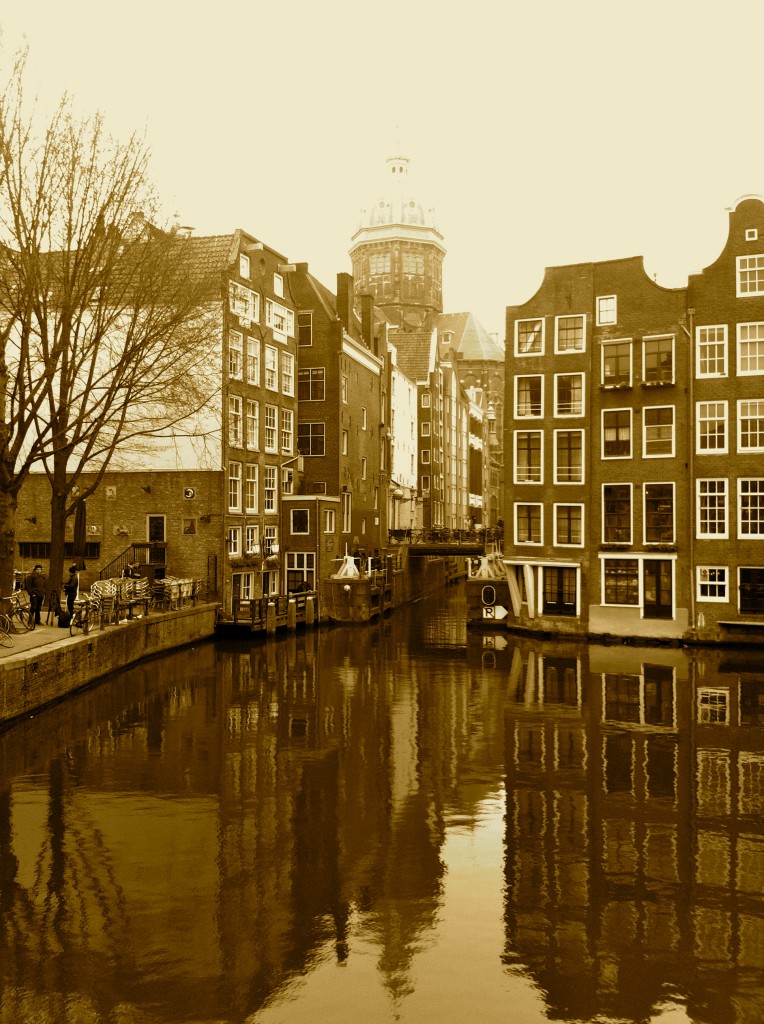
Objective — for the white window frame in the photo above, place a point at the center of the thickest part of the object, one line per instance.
(243, 302)
(569, 430)
(347, 511)
(615, 458)
(235, 422)
(569, 415)
(530, 320)
(529, 543)
(235, 355)
(344, 389)
(603, 304)
(364, 467)
(287, 431)
(699, 496)
(515, 437)
(364, 418)
(344, 439)
(569, 351)
(251, 487)
(751, 234)
(723, 407)
(740, 330)
(233, 541)
(251, 538)
(278, 285)
(756, 268)
(330, 520)
(704, 340)
(270, 490)
(253, 425)
(529, 415)
(660, 455)
(253, 361)
(271, 428)
(299, 533)
(271, 368)
(287, 374)
(700, 582)
(555, 509)
(245, 269)
(742, 481)
(741, 417)
(234, 486)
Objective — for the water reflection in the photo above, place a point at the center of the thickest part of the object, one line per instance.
(401, 823)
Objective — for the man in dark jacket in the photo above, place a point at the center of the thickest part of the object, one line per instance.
(35, 585)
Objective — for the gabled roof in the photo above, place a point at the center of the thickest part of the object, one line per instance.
(471, 340)
(416, 353)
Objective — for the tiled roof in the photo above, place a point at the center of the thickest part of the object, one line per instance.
(416, 353)
(471, 340)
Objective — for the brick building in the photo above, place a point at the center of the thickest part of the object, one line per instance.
(633, 437)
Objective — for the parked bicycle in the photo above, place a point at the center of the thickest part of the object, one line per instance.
(6, 629)
(19, 613)
(80, 620)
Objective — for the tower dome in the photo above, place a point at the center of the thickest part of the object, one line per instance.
(397, 251)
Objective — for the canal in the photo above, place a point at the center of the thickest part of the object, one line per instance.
(402, 822)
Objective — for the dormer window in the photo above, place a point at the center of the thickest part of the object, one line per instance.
(278, 285)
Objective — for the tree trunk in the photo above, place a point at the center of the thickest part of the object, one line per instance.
(57, 540)
(8, 503)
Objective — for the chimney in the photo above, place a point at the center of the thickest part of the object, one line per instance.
(367, 323)
(345, 299)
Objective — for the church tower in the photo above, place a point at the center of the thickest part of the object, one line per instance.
(397, 254)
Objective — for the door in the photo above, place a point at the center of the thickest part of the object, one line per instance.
(156, 537)
(658, 601)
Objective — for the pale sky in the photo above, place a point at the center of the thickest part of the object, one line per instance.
(541, 133)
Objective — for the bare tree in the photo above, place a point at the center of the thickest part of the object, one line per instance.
(107, 325)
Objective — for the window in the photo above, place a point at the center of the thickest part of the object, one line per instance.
(751, 583)
(568, 456)
(711, 509)
(750, 507)
(750, 348)
(344, 439)
(269, 488)
(301, 570)
(379, 263)
(425, 399)
(616, 513)
(251, 538)
(426, 428)
(412, 263)
(528, 523)
(300, 520)
(570, 333)
(528, 459)
(607, 310)
(425, 483)
(271, 368)
(750, 275)
(620, 581)
(278, 285)
(311, 438)
(569, 394)
(616, 364)
(287, 374)
(311, 384)
(425, 456)
(364, 419)
(305, 328)
(344, 390)
(233, 541)
(251, 487)
(363, 468)
(271, 428)
(235, 435)
(253, 425)
(569, 525)
(658, 360)
(616, 434)
(659, 513)
(280, 320)
(528, 396)
(711, 351)
(234, 487)
(658, 431)
(529, 337)
(317, 487)
(347, 511)
(712, 583)
(253, 361)
(750, 425)
(270, 537)
(559, 590)
(287, 480)
(751, 234)
(329, 520)
(244, 268)
(711, 430)
(243, 302)
(713, 706)
(287, 431)
(234, 355)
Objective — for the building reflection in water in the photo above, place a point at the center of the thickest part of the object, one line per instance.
(196, 838)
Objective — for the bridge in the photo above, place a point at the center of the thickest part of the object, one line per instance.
(439, 541)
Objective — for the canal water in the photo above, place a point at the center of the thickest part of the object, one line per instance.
(402, 822)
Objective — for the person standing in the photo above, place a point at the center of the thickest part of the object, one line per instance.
(72, 589)
(35, 585)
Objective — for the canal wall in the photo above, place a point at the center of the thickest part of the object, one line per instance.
(42, 675)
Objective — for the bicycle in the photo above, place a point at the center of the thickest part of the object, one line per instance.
(19, 614)
(6, 640)
(80, 620)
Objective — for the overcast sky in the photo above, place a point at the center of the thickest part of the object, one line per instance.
(541, 133)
